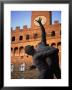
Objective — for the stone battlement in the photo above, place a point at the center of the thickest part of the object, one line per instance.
(17, 28)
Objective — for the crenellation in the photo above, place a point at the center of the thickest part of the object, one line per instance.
(17, 27)
(56, 22)
(25, 27)
(12, 30)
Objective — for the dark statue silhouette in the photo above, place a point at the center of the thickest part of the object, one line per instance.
(45, 57)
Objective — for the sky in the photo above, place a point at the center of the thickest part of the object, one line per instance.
(21, 18)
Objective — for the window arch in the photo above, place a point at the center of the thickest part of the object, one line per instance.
(35, 35)
(16, 51)
(11, 51)
(27, 37)
(13, 38)
(21, 51)
(53, 33)
(21, 38)
(59, 43)
(59, 46)
(53, 44)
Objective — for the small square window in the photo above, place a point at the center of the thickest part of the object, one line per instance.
(13, 38)
(21, 37)
(27, 37)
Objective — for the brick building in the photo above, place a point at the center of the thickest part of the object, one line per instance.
(32, 36)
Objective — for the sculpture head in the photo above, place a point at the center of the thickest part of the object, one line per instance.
(29, 50)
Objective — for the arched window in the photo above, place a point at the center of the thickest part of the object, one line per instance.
(35, 35)
(11, 51)
(53, 44)
(16, 51)
(27, 37)
(59, 43)
(13, 38)
(53, 33)
(22, 67)
(21, 38)
(59, 46)
(21, 51)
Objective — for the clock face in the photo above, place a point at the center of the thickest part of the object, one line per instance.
(43, 20)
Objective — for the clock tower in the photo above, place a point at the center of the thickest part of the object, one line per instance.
(46, 18)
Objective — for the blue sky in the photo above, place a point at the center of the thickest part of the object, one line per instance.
(21, 18)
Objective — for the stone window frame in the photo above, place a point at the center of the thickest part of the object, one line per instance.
(15, 50)
(13, 38)
(20, 38)
(59, 44)
(35, 35)
(53, 33)
(53, 44)
(20, 48)
(27, 36)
